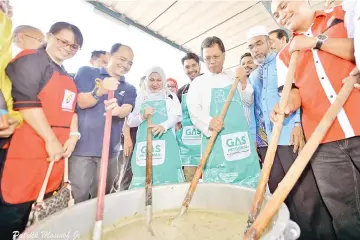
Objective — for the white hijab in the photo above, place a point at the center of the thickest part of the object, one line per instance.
(163, 93)
(173, 104)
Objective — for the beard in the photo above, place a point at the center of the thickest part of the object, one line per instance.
(259, 61)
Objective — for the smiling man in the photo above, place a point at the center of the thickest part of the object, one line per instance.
(191, 65)
(189, 144)
(247, 62)
(84, 165)
(326, 57)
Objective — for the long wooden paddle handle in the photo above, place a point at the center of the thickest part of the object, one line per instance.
(148, 185)
(104, 162)
(45, 183)
(208, 149)
(300, 163)
(275, 135)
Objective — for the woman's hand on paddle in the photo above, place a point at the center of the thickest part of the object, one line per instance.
(54, 149)
(157, 130)
(216, 124)
(69, 146)
(147, 112)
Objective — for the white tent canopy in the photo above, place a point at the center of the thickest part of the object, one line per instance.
(187, 23)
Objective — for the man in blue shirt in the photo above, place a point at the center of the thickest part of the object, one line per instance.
(92, 102)
(304, 201)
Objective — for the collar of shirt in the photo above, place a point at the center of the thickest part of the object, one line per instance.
(319, 14)
(104, 72)
(269, 57)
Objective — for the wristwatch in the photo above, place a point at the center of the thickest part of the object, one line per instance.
(320, 41)
(94, 93)
(297, 124)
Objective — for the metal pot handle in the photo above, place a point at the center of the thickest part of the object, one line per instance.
(292, 231)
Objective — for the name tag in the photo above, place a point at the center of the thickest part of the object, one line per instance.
(158, 153)
(191, 135)
(236, 146)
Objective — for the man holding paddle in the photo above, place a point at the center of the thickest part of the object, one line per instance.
(326, 57)
(84, 165)
(233, 158)
(304, 201)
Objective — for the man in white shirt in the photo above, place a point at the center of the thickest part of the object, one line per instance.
(233, 158)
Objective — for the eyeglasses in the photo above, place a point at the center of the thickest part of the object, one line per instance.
(216, 57)
(169, 86)
(38, 39)
(64, 43)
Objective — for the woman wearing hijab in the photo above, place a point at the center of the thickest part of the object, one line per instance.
(165, 109)
(172, 85)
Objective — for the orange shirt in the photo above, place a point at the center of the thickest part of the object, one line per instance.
(319, 76)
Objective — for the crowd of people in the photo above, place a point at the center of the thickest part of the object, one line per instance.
(55, 115)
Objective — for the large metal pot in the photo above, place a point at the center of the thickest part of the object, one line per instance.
(80, 219)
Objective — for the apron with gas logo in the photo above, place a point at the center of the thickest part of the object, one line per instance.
(166, 159)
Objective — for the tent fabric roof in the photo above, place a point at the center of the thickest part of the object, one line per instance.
(188, 22)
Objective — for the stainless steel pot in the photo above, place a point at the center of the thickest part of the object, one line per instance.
(79, 220)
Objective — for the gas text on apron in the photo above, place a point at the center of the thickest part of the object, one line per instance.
(166, 158)
(233, 158)
(189, 138)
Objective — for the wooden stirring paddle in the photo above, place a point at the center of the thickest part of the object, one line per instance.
(240, 74)
(270, 154)
(296, 169)
(110, 84)
(148, 185)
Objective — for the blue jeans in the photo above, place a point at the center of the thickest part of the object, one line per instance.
(336, 167)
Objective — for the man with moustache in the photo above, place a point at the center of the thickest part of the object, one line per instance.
(304, 201)
(189, 143)
(92, 102)
(279, 38)
(233, 159)
(191, 65)
(326, 58)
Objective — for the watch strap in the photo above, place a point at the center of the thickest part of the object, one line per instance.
(93, 93)
(319, 43)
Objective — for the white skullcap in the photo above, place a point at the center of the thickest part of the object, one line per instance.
(256, 31)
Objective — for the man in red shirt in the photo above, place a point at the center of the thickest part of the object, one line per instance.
(326, 57)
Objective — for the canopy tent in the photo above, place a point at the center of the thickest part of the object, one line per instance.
(184, 24)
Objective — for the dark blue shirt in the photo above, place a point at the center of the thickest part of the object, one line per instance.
(92, 120)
